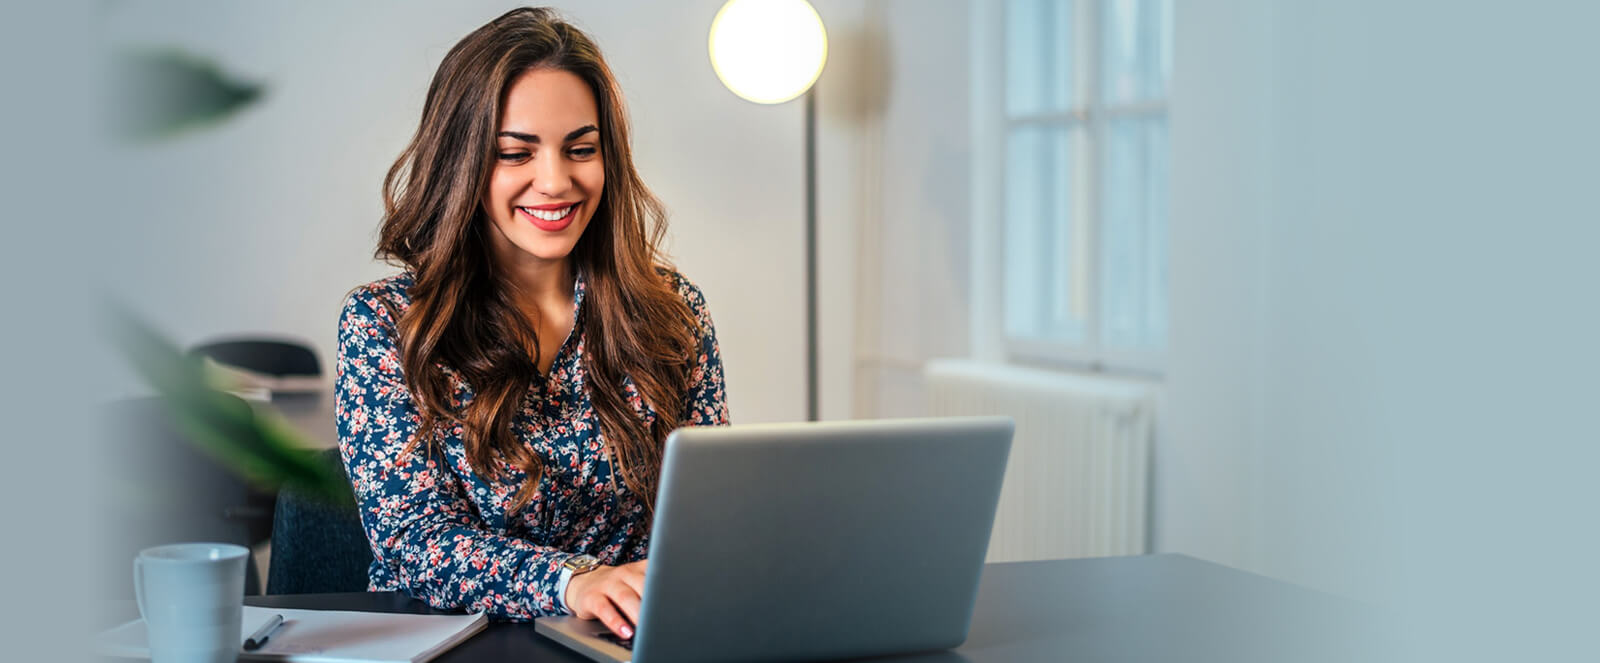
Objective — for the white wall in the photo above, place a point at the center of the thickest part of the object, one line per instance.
(1382, 325)
(895, 158)
(49, 239)
(1206, 463)
(264, 222)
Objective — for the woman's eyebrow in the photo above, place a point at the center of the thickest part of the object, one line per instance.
(575, 133)
(533, 138)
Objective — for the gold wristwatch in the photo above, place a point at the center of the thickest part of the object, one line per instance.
(581, 564)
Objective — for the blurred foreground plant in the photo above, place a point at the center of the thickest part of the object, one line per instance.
(161, 93)
(259, 446)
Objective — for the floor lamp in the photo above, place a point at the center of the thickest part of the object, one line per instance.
(769, 52)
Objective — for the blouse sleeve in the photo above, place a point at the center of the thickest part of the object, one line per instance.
(706, 404)
(416, 513)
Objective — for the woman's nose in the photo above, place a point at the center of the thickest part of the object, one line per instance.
(550, 175)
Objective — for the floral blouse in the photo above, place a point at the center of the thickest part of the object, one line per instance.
(446, 534)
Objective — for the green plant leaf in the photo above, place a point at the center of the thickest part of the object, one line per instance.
(159, 93)
(260, 447)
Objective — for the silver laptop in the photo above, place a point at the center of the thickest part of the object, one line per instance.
(812, 541)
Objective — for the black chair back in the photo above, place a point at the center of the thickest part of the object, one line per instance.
(318, 546)
(271, 357)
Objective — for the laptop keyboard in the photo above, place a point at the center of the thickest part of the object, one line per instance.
(613, 639)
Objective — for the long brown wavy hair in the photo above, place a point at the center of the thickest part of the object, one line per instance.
(462, 317)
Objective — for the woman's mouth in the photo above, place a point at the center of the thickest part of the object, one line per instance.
(549, 219)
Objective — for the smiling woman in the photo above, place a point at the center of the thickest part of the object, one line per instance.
(504, 400)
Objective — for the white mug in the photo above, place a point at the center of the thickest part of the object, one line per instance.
(191, 596)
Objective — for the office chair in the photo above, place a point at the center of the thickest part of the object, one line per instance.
(279, 358)
(275, 357)
(318, 546)
(164, 490)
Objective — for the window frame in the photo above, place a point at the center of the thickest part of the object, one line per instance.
(989, 131)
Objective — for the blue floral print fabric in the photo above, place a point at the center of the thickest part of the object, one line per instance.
(445, 533)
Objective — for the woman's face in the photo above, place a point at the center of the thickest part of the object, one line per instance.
(548, 170)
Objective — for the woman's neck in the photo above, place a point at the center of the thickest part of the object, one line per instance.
(542, 288)
(544, 281)
(543, 293)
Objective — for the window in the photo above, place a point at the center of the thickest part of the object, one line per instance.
(1070, 119)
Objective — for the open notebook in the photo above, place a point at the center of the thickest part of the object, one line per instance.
(328, 636)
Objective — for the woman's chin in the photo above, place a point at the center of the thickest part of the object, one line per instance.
(546, 250)
(537, 245)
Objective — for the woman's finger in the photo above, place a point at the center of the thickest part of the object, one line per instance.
(608, 615)
(626, 600)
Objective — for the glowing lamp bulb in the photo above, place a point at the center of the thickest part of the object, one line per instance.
(768, 51)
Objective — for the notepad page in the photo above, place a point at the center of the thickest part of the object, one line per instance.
(331, 636)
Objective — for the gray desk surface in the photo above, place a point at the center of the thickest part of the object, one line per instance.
(1145, 608)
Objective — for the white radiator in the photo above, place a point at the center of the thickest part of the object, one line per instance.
(1077, 481)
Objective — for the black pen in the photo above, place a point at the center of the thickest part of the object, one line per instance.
(259, 638)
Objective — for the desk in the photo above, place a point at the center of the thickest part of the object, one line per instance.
(311, 413)
(1146, 608)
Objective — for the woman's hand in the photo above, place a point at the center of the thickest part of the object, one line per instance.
(610, 594)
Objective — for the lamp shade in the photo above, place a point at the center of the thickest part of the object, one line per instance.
(768, 51)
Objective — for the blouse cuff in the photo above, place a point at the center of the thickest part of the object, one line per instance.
(561, 588)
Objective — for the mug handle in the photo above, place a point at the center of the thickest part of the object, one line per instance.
(138, 585)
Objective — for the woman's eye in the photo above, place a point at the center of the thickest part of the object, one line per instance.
(513, 156)
(582, 152)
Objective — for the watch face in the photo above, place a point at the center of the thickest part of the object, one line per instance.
(582, 562)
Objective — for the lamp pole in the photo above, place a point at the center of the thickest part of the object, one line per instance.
(811, 254)
(769, 52)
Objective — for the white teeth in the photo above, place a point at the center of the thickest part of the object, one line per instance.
(548, 215)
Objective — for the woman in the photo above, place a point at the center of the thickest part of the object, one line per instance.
(503, 402)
